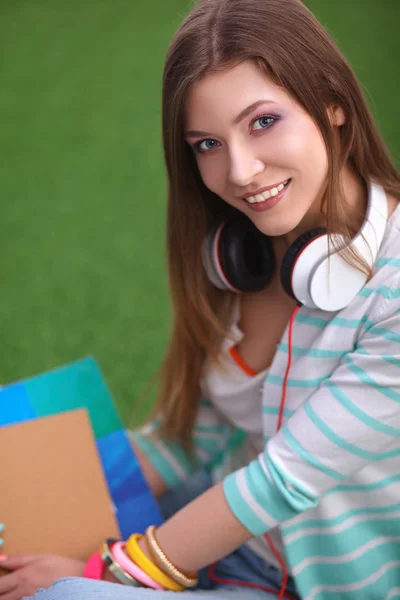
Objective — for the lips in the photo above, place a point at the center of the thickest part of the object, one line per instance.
(270, 201)
(267, 193)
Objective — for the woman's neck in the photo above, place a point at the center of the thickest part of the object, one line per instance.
(356, 203)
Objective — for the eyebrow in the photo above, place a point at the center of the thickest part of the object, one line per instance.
(242, 115)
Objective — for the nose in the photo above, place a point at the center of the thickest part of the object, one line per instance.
(243, 168)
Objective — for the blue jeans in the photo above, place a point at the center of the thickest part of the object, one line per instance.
(241, 565)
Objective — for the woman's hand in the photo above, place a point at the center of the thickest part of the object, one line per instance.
(27, 573)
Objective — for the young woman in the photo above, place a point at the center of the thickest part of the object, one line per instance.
(278, 417)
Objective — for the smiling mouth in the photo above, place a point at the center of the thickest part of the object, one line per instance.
(267, 194)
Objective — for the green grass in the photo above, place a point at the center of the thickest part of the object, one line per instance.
(82, 178)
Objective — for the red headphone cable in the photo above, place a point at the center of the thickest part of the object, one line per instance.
(289, 364)
(211, 569)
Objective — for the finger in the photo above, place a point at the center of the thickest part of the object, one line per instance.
(14, 595)
(2, 526)
(17, 561)
(8, 583)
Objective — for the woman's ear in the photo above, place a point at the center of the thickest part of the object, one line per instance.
(336, 116)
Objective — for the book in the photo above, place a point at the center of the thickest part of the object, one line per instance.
(69, 475)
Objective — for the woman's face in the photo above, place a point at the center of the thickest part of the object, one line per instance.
(257, 148)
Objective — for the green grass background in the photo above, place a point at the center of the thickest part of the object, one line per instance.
(82, 179)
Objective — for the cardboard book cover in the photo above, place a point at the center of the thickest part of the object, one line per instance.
(69, 476)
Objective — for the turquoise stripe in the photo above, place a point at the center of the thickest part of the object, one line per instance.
(348, 323)
(221, 429)
(337, 439)
(382, 290)
(228, 441)
(298, 497)
(392, 336)
(323, 545)
(209, 446)
(311, 352)
(350, 571)
(288, 477)
(362, 350)
(240, 507)
(340, 321)
(336, 321)
(365, 487)
(377, 590)
(392, 262)
(274, 410)
(236, 439)
(314, 321)
(160, 463)
(309, 458)
(391, 359)
(367, 380)
(205, 403)
(297, 383)
(268, 494)
(392, 454)
(368, 325)
(355, 512)
(356, 411)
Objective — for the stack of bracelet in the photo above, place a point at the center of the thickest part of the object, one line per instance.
(131, 566)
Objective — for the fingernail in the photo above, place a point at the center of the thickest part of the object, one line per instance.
(1, 542)
(3, 557)
(2, 526)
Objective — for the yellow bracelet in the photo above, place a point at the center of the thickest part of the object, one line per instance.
(187, 580)
(143, 562)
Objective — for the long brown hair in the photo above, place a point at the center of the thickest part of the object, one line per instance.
(294, 51)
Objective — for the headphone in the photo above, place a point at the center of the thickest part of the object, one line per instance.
(238, 257)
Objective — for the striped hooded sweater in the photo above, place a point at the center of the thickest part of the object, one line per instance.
(330, 478)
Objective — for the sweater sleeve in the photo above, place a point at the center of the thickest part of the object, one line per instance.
(213, 436)
(351, 420)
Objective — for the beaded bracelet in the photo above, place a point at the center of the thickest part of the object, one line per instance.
(139, 557)
(164, 562)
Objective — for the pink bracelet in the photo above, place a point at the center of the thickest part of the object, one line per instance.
(130, 567)
(94, 567)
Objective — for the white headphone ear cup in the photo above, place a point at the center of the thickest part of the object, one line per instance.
(209, 257)
(329, 282)
(335, 283)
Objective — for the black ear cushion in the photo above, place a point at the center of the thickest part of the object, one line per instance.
(291, 255)
(246, 255)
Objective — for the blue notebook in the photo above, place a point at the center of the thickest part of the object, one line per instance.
(81, 385)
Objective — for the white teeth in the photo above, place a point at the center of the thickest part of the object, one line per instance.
(267, 194)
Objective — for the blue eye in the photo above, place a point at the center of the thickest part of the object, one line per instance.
(265, 121)
(206, 145)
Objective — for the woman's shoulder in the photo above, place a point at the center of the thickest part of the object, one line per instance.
(390, 248)
(380, 297)
(394, 211)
